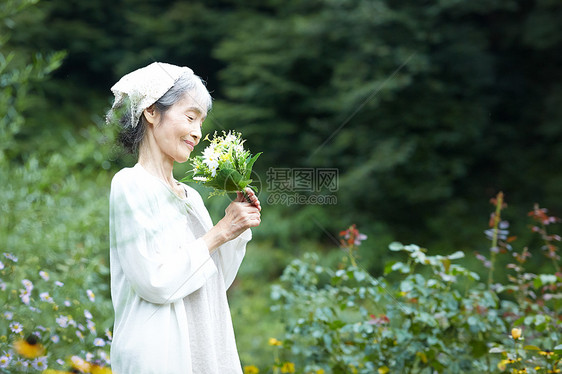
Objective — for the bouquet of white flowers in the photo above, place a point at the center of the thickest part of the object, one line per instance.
(224, 165)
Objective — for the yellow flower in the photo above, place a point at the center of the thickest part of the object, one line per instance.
(320, 371)
(29, 348)
(502, 365)
(288, 367)
(251, 369)
(273, 341)
(516, 333)
(546, 353)
(100, 370)
(79, 364)
(52, 371)
(383, 370)
(422, 356)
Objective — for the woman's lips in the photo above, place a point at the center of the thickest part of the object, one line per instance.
(191, 145)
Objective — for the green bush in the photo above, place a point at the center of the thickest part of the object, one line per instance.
(428, 314)
(53, 231)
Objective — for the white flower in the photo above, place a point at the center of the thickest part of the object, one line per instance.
(230, 138)
(25, 297)
(202, 179)
(212, 165)
(79, 363)
(60, 362)
(210, 151)
(5, 361)
(55, 339)
(62, 321)
(80, 335)
(91, 326)
(1, 265)
(67, 303)
(91, 295)
(22, 363)
(99, 342)
(16, 327)
(59, 283)
(46, 297)
(10, 256)
(104, 357)
(27, 284)
(3, 285)
(44, 275)
(40, 363)
(87, 314)
(8, 315)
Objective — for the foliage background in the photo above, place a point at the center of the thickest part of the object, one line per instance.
(427, 109)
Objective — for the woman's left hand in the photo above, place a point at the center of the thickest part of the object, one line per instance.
(240, 215)
(251, 195)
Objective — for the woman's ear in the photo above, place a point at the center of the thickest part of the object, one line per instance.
(151, 115)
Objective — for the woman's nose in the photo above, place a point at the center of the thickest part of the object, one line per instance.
(196, 135)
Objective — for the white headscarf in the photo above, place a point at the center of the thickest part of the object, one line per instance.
(143, 87)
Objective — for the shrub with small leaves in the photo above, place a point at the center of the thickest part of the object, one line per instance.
(427, 313)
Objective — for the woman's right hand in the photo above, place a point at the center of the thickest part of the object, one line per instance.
(239, 216)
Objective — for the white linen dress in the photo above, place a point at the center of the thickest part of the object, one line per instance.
(168, 291)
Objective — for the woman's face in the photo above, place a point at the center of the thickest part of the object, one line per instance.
(178, 130)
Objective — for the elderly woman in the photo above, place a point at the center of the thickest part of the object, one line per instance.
(170, 266)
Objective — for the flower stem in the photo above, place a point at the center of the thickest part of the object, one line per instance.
(547, 245)
(494, 249)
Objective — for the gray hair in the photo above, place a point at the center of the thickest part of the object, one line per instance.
(188, 84)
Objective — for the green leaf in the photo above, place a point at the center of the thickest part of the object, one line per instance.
(548, 279)
(496, 350)
(400, 266)
(531, 348)
(388, 267)
(396, 246)
(446, 264)
(359, 275)
(406, 286)
(249, 164)
(228, 180)
(456, 255)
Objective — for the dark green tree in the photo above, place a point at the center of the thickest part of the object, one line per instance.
(424, 108)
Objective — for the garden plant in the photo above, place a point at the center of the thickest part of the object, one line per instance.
(426, 314)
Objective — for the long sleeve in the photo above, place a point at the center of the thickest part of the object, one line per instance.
(161, 265)
(231, 255)
(228, 256)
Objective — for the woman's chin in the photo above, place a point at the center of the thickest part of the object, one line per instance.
(183, 158)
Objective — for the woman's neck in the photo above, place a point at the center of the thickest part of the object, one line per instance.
(157, 164)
